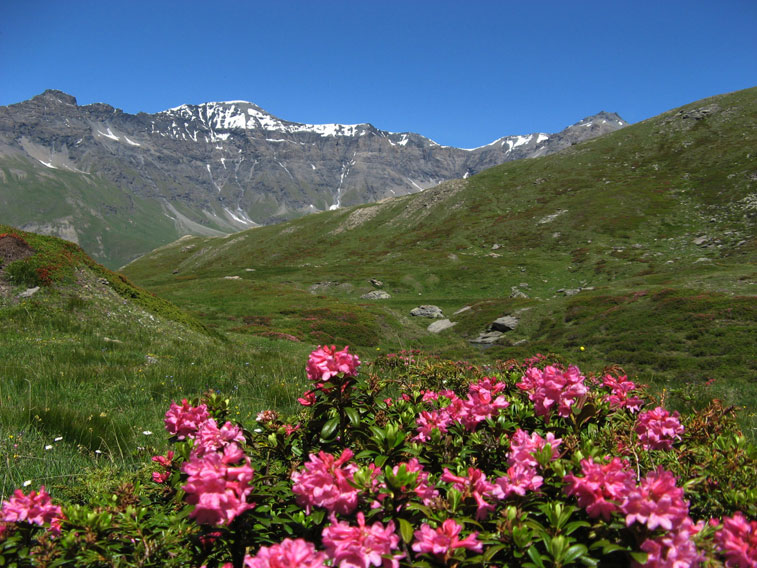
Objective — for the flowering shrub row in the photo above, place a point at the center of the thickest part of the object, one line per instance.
(527, 465)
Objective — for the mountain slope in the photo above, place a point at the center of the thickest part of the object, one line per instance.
(102, 177)
(639, 246)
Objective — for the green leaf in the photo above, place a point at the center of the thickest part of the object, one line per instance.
(406, 530)
(574, 552)
(353, 415)
(329, 429)
(640, 557)
(534, 555)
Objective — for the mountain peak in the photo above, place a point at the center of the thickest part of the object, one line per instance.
(55, 96)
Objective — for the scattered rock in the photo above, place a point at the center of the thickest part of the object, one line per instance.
(376, 295)
(249, 270)
(552, 217)
(495, 246)
(232, 277)
(318, 286)
(487, 338)
(377, 283)
(516, 293)
(504, 324)
(29, 292)
(699, 241)
(569, 291)
(440, 325)
(427, 311)
(150, 360)
(702, 259)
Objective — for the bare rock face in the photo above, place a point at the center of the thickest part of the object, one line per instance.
(220, 167)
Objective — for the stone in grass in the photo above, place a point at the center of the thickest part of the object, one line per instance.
(427, 311)
(376, 295)
(29, 292)
(440, 325)
(487, 338)
(504, 324)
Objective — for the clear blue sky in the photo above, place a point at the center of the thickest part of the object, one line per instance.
(460, 72)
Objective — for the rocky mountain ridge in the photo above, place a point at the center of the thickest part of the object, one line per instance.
(221, 167)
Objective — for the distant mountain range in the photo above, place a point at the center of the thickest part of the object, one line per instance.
(122, 184)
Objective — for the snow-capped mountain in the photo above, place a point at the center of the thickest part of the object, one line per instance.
(220, 167)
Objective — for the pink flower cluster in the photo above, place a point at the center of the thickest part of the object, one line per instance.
(442, 541)
(553, 388)
(36, 508)
(673, 549)
(288, 553)
(323, 364)
(481, 403)
(620, 397)
(210, 438)
(657, 429)
(326, 362)
(215, 485)
(522, 475)
(657, 502)
(183, 421)
(361, 546)
(474, 485)
(218, 489)
(737, 539)
(603, 487)
(165, 461)
(325, 482)
(425, 491)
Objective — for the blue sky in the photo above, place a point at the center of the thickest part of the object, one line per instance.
(462, 73)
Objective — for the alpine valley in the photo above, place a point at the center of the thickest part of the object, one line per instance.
(121, 185)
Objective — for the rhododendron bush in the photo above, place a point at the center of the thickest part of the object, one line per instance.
(409, 461)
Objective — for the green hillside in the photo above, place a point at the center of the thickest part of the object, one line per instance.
(638, 247)
(89, 363)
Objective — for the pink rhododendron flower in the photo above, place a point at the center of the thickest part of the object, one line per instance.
(36, 509)
(425, 491)
(519, 479)
(482, 402)
(523, 446)
(326, 362)
(210, 438)
(442, 541)
(218, 490)
(737, 539)
(183, 421)
(602, 488)
(673, 550)
(474, 485)
(621, 387)
(307, 399)
(552, 388)
(657, 429)
(361, 546)
(325, 482)
(656, 502)
(288, 554)
(428, 421)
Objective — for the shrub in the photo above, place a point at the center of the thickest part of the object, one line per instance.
(378, 469)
